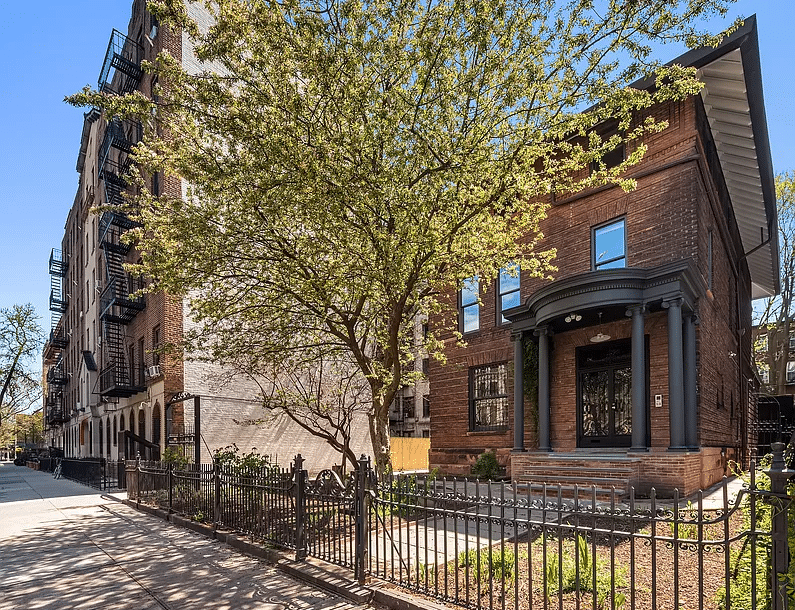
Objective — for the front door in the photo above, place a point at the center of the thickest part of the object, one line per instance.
(604, 383)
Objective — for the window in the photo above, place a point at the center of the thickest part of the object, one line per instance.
(488, 397)
(141, 363)
(470, 307)
(156, 345)
(131, 363)
(426, 406)
(792, 340)
(791, 371)
(762, 343)
(764, 375)
(407, 406)
(508, 289)
(610, 158)
(608, 246)
(426, 366)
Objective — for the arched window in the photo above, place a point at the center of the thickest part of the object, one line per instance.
(115, 434)
(107, 436)
(142, 423)
(100, 437)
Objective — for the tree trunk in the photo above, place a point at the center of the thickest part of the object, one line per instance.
(379, 435)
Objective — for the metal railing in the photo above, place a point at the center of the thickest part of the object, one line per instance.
(98, 473)
(493, 545)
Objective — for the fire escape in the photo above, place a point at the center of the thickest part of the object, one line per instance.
(59, 339)
(119, 303)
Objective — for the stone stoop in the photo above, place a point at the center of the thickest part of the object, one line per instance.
(610, 475)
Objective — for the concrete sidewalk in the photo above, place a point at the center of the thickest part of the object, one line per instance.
(66, 546)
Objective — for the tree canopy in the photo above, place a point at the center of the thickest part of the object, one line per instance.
(350, 163)
(777, 313)
(21, 339)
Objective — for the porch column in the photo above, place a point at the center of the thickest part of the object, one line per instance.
(543, 389)
(676, 390)
(639, 424)
(518, 392)
(690, 375)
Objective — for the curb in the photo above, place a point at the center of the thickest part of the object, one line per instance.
(321, 574)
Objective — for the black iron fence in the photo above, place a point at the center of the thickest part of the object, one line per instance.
(98, 473)
(493, 545)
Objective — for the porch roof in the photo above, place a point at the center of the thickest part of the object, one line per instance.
(608, 291)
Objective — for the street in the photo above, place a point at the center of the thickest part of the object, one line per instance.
(65, 546)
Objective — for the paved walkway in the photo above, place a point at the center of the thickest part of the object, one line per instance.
(64, 546)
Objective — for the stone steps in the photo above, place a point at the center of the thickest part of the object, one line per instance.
(609, 475)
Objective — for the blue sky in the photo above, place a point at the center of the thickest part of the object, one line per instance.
(50, 48)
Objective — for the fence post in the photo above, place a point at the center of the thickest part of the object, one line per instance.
(217, 493)
(779, 475)
(138, 480)
(170, 487)
(300, 507)
(361, 514)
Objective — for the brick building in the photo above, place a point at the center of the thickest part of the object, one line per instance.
(634, 365)
(104, 373)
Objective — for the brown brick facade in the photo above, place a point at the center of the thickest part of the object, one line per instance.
(674, 214)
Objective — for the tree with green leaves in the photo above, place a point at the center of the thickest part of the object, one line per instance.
(777, 314)
(350, 163)
(21, 339)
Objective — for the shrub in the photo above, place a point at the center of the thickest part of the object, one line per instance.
(487, 466)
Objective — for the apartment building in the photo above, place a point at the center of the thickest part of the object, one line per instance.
(634, 365)
(110, 390)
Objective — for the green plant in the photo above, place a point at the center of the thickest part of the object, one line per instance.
(575, 571)
(175, 456)
(530, 379)
(231, 458)
(684, 530)
(744, 569)
(487, 466)
(490, 563)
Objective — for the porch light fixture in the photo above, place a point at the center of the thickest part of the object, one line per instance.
(600, 337)
(573, 317)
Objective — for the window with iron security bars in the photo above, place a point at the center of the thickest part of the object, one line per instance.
(487, 545)
(488, 397)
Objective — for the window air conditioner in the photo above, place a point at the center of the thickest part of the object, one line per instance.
(153, 371)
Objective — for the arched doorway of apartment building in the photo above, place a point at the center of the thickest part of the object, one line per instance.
(84, 438)
(156, 424)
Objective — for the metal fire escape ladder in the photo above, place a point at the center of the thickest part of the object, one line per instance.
(121, 70)
(58, 266)
(119, 304)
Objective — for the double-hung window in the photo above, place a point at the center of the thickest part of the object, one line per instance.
(608, 245)
(488, 397)
(470, 306)
(508, 290)
(791, 371)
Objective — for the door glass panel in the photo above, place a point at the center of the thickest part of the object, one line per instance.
(595, 403)
(622, 401)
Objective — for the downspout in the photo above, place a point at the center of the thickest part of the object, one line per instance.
(743, 398)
